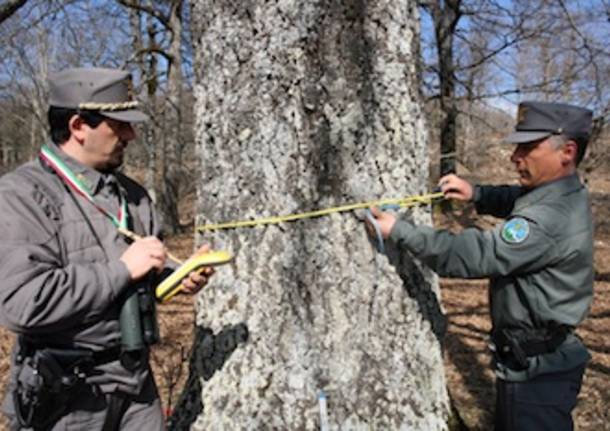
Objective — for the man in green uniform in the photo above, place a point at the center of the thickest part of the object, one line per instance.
(539, 261)
(69, 274)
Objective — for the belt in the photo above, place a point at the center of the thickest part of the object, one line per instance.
(519, 345)
(105, 356)
(70, 356)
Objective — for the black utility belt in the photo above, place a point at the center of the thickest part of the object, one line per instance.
(70, 357)
(49, 377)
(517, 346)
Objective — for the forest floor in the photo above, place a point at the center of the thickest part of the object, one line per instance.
(469, 377)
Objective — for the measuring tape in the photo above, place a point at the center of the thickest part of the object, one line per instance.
(405, 202)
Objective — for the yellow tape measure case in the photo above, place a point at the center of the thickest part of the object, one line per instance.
(173, 284)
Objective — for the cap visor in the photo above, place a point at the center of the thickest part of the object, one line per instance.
(128, 116)
(524, 137)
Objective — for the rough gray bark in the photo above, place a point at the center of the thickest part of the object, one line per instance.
(304, 105)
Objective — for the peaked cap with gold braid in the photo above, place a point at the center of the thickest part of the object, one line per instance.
(107, 91)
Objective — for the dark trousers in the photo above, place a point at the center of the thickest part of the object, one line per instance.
(542, 403)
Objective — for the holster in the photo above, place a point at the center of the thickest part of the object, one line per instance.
(514, 347)
(46, 380)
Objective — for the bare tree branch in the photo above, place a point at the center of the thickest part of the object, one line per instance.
(9, 7)
(152, 50)
(149, 10)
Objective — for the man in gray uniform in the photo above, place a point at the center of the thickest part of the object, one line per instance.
(81, 361)
(539, 261)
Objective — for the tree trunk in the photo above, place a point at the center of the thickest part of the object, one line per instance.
(152, 132)
(173, 141)
(136, 18)
(304, 105)
(446, 15)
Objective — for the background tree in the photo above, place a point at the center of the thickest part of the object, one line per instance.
(160, 37)
(446, 15)
(487, 64)
(479, 54)
(149, 38)
(304, 105)
(40, 38)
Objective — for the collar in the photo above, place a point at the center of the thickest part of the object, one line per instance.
(90, 177)
(549, 191)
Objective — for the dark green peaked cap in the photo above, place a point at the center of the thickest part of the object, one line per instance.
(537, 120)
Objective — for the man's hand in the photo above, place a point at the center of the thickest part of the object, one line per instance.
(384, 220)
(196, 280)
(453, 187)
(143, 255)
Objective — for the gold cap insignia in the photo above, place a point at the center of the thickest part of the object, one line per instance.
(130, 93)
(521, 112)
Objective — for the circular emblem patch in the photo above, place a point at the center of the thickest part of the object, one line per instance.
(515, 230)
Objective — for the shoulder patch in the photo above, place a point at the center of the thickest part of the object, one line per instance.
(516, 230)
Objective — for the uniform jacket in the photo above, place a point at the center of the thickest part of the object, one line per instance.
(62, 279)
(539, 261)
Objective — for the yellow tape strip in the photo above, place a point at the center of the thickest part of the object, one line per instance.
(402, 202)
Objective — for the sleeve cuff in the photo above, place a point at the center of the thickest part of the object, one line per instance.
(400, 232)
(119, 276)
(476, 194)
